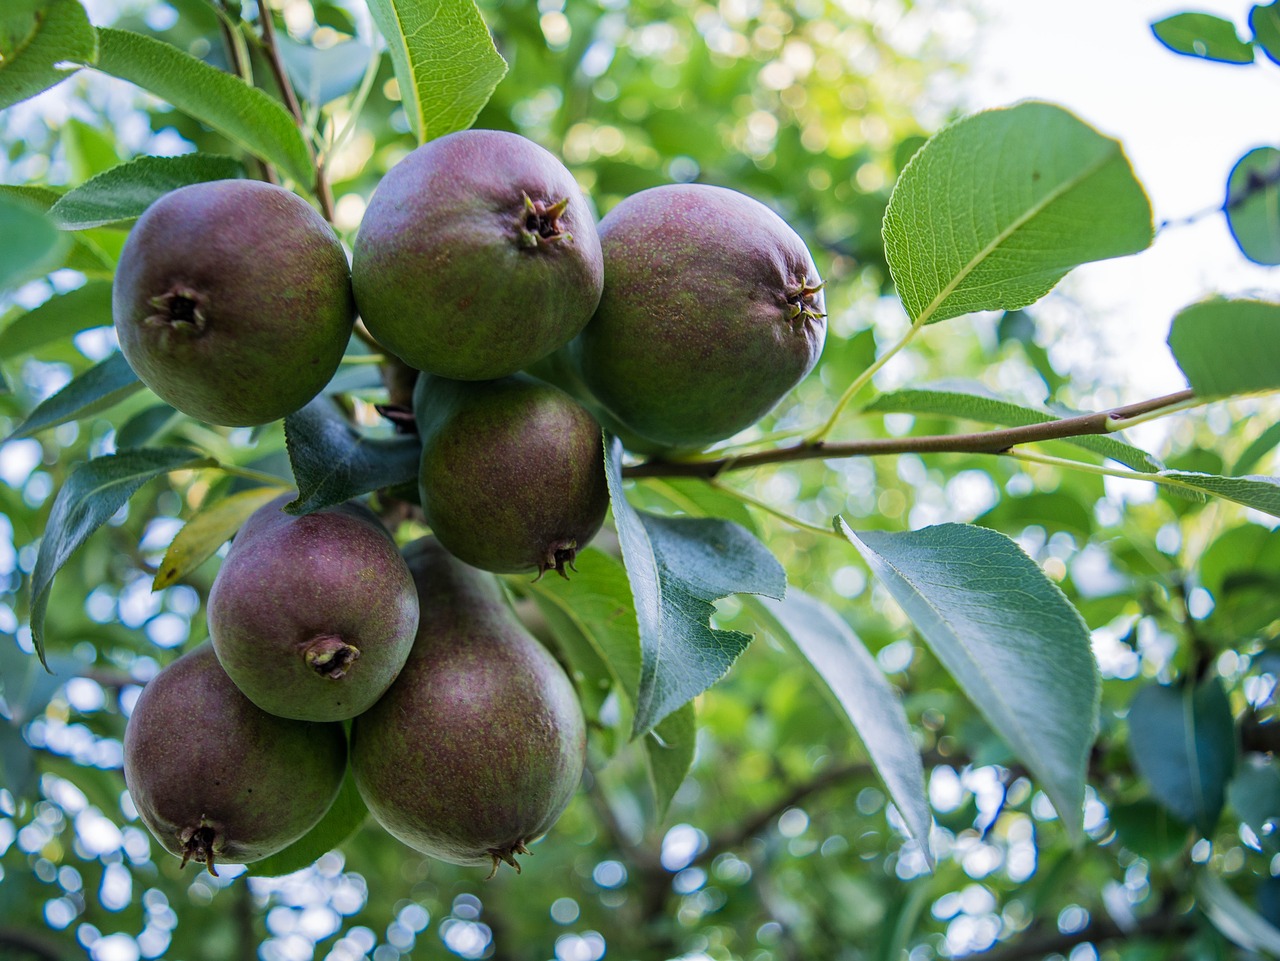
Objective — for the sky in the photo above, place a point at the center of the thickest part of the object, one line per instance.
(1184, 123)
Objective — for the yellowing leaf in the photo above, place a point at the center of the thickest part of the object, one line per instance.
(209, 530)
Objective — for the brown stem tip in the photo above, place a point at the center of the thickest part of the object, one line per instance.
(507, 856)
(330, 656)
(541, 222)
(181, 308)
(559, 555)
(197, 845)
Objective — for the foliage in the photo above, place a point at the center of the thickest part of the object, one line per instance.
(1062, 695)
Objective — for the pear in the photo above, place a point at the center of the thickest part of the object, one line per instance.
(216, 778)
(313, 616)
(712, 310)
(232, 301)
(477, 256)
(512, 475)
(480, 743)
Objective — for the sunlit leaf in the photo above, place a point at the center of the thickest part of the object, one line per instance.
(200, 537)
(1203, 35)
(43, 44)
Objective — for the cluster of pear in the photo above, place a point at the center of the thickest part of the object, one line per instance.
(682, 318)
(467, 738)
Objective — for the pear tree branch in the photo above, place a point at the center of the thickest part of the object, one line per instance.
(998, 441)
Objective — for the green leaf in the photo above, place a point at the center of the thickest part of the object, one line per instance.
(30, 245)
(1253, 205)
(101, 386)
(1264, 21)
(1183, 743)
(94, 491)
(1228, 347)
(1236, 921)
(200, 538)
(121, 194)
(55, 38)
(332, 462)
(1203, 35)
(594, 619)
(1252, 490)
(1254, 794)
(1262, 445)
(872, 705)
(444, 59)
(321, 75)
(995, 209)
(1149, 830)
(1009, 637)
(26, 687)
(143, 427)
(242, 113)
(669, 748)
(60, 316)
(341, 822)
(677, 567)
(17, 762)
(989, 410)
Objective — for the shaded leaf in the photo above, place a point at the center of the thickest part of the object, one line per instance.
(49, 41)
(25, 685)
(92, 493)
(1203, 35)
(242, 113)
(333, 462)
(60, 316)
(1183, 743)
(1149, 830)
(343, 820)
(1251, 490)
(121, 194)
(101, 386)
(30, 245)
(444, 59)
(989, 410)
(867, 699)
(1254, 794)
(669, 748)
(995, 209)
(677, 566)
(144, 426)
(320, 75)
(17, 762)
(1250, 330)
(1264, 21)
(1253, 205)
(1234, 919)
(200, 537)
(1262, 445)
(991, 616)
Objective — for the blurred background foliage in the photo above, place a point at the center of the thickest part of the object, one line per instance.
(781, 843)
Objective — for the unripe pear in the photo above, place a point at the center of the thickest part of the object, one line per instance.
(477, 256)
(216, 778)
(233, 301)
(313, 616)
(512, 476)
(712, 310)
(480, 743)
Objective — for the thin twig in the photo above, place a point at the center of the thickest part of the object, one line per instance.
(982, 442)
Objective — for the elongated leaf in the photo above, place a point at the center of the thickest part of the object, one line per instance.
(1254, 793)
(1252, 490)
(1253, 205)
(60, 316)
(1237, 922)
(1263, 445)
(1203, 35)
(143, 427)
(991, 411)
(94, 491)
(593, 612)
(242, 113)
(201, 536)
(1264, 21)
(30, 245)
(677, 567)
(55, 37)
(995, 209)
(444, 59)
(320, 75)
(343, 820)
(1009, 637)
(1228, 347)
(101, 386)
(868, 700)
(121, 194)
(1183, 743)
(669, 748)
(332, 462)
